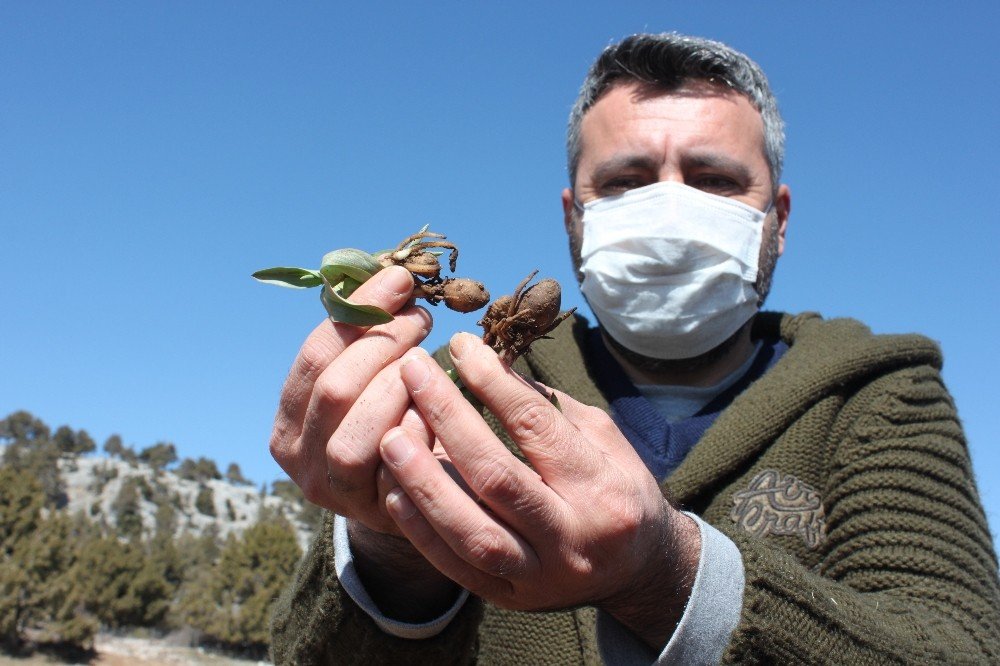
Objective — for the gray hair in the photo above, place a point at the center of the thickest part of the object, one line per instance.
(668, 61)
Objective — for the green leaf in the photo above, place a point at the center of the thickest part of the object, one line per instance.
(356, 264)
(343, 311)
(284, 276)
(348, 286)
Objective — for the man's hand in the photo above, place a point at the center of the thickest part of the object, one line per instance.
(342, 395)
(589, 525)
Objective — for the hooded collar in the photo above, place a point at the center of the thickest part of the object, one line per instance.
(822, 354)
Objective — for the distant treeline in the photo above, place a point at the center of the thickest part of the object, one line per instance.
(64, 577)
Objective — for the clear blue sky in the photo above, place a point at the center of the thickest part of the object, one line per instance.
(154, 154)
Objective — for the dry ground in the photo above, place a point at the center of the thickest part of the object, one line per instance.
(124, 651)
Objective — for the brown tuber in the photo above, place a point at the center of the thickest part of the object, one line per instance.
(459, 294)
(415, 255)
(512, 323)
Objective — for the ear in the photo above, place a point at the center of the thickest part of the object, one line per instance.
(783, 209)
(569, 220)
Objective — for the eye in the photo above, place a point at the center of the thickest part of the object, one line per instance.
(715, 184)
(620, 184)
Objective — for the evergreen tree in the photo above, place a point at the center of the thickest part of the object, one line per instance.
(31, 450)
(233, 604)
(308, 513)
(287, 490)
(205, 501)
(198, 555)
(120, 586)
(102, 473)
(113, 446)
(73, 443)
(162, 550)
(235, 476)
(50, 562)
(201, 469)
(21, 502)
(159, 456)
(37, 556)
(128, 454)
(128, 516)
(21, 426)
(165, 522)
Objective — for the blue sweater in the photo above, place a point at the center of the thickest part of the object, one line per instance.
(662, 445)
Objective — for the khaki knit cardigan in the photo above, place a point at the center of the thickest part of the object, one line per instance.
(906, 572)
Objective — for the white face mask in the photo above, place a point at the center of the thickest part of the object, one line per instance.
(669, 270)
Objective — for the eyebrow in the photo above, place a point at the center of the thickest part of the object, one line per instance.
(719, 161)
(710, 160)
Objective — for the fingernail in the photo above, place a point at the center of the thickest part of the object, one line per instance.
(421, 318)
(397, 448)
(398, 503)
(415, 372)
(459, 345)
(385, 477)
(395, 280)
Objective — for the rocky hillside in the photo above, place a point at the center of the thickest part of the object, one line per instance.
(94, 485)
(137, 541)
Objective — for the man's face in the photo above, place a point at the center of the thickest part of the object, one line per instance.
(703, 135)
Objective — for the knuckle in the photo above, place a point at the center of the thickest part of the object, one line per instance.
(599, 418)
(486, 548)
(344, 460)
(332, 395)
(282, 435)
(280, 447)
(628, 521)
(623, 517)
(532, 423)
(383, 342)
(496, 482)
(390, 334)
(579, 566)
(441, 412)
(413, 324)
(425, 493)
(348, 469)
(314, 357)
(293, 398)
(315, 489)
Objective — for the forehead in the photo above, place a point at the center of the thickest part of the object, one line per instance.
(700, 115)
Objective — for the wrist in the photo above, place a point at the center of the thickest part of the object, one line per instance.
(653, 603)
(401, 582)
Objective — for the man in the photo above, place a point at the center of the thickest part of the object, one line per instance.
(829, 511)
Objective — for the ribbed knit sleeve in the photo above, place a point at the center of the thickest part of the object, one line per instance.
(907, 572)
(316, 622)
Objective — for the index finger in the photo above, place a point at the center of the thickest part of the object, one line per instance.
(553, 444)
(389, 289)
(506, 485)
